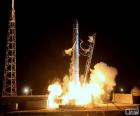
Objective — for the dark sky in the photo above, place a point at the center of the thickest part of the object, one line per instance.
(44, 30)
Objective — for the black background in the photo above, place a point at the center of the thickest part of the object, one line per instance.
(44, 30)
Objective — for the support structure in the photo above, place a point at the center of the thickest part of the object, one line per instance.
(89, 56)
(9, 82)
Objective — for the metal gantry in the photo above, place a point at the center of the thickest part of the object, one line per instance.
(89, 56)
(88, 52)
(9, 82)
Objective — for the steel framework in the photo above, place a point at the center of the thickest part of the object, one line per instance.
(9, 82)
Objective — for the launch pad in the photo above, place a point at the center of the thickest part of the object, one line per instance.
(100, 109)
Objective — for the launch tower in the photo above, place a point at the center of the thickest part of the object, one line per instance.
(9, 82)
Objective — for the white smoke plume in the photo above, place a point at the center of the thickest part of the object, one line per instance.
(97, 90)
(103, 76)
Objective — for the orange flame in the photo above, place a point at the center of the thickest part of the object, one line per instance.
(98, 88)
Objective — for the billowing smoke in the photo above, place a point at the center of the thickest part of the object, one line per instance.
(135, 91)
(95, 91)
(103, 77)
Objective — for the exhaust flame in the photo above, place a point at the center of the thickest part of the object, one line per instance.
(96, 90)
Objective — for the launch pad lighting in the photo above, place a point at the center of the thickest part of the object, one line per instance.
(121, 90)
(26, 90)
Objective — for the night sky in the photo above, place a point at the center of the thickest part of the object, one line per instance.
(44, 31)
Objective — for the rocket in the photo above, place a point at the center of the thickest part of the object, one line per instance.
(75, 51)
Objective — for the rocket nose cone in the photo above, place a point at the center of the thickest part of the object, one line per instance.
(75, 25)
(75, 21)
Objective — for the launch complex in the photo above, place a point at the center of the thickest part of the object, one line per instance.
(86, 95)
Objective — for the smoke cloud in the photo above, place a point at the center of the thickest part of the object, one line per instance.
(97, 90)
(103, 76)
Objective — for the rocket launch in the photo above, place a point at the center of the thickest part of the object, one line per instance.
(75, 52)
(93, 90)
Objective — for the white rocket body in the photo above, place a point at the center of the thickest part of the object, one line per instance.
(76, 51)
